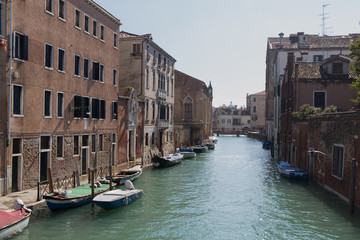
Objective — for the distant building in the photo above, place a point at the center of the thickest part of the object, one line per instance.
(232, 120)
(193, 110)
(306, 48)
(150, 70)
(257, 110)
(62, 72)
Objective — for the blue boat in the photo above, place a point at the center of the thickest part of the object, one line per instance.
(117, 198)
(292, 172)
(266, 144)
(200, 149)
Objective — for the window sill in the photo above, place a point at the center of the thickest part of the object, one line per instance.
(48, 117)
(18, 115)
(95, 36)
(86, 78)
(86, 32)
(49, 68)
(78, 28)
(102, 40)
(59, 158)
(78, 76)
(62, 19)
(19, 59)
(61, 71)
(115, 47)
(50, 13)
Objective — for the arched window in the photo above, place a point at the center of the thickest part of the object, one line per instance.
(188, 108)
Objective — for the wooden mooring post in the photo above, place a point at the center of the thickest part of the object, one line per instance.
(92, 186)
(352, 186)
(110, 176)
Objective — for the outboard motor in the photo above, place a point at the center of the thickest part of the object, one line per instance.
(129, 185)
(19, 204)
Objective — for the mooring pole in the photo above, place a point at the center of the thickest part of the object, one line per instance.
(110, 176)
(92, 187)
(352, 186)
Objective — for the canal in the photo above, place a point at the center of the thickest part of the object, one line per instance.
(232, 192)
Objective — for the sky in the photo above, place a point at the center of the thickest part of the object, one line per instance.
(224, 41)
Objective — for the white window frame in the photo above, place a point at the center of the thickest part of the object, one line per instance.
(88, 22)
(95, 28)
(50, 103)
(52, 57)
(114, 77)
(21, 114)
(48, 150)
(62, 105)
(62, 148)
(115, 40)
(62, 19)
(101, 73)
(102, 32)
(61, 49)
(52, 8)
(79, 64)
(78, 154)
(20, 46)
(80, 22)
(88, 67)
(87, 114)
(343, 161)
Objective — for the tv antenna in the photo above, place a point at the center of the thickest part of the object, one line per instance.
(323, 17)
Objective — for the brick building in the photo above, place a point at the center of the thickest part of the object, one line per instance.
(149, 69)
(63, 77)
(193, 110)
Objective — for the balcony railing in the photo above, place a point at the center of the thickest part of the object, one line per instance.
(162, 123)
(161, 95)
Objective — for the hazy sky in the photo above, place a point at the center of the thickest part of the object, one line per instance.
(224, 41)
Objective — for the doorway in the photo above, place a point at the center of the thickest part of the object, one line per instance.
(15, 171)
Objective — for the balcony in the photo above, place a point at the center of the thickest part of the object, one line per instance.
(162, 123)
(161, 95)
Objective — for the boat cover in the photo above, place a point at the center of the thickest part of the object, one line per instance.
(8, 218)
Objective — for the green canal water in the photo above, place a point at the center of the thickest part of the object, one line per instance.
(232, 192)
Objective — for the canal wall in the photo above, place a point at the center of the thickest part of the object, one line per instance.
(328, 146)
(257, 135)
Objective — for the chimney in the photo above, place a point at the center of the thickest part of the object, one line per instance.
(281, 35)
(300, 37)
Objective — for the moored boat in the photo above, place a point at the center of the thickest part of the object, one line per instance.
(187, 153)
(213, 138)
(14, 222)
(290, 171)
(73, 198)
(266, 144)
(167, 161)
(119, 197)
(200, 149)
(127, 174)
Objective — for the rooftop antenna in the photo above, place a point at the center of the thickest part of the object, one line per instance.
(323, 19)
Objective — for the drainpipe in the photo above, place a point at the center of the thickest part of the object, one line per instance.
(9, 102)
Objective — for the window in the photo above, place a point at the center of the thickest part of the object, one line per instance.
(172, 87)
(59, 146)
(147, 78)
(86, 23)
(153, 110)
(76, 144)
(20, 46)
(318, 58)
(48, 56)
(60, 104)
(49, 6)
(85, 107)
(102, 109)
(167, 86)
(2, 19)
(77, 19)
(136, 49)
(114, 110)
(95, 71)
(254, 109)
(93, 143)
(95, 108)
(154, 80)
(85, 140)
(147, 110)
(320, 99)
(337, 68)
(86, 68)
(115, 40)
(102, 32)
(101, 73)
(18, 100)
(254, 99)
(95, 28)
(114, 77)
(338, 161)
(61, 60)
(77, 65)
(101, 142)
(153, 138)
(77, 106)
(147, 139)
(47, 103)
(62, 9)
(188, 108)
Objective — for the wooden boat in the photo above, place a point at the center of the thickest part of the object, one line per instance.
(73, 198)
(187, 153)
(127, 174)
(167, 161)
(117, 198)
(290, 171)
(13, 222)
(210, 146)
(200, 149)
(266, 144)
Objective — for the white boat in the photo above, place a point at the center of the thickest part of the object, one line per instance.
(118, 198)
(187, 153)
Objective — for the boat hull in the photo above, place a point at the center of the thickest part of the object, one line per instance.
(117, 198)
(122, 179)
(291, 172)
(187, 153)
(14, 228)
(161, 162)
(200, 149)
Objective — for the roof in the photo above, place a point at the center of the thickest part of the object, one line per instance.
(103, 11)
(132, 35)
(308, 41)
(259, 93)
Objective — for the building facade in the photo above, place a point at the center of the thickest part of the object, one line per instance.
(150, 70)
(306, 48)
(193, 110)
(232, 120)
(59, 91)
(257, 110)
